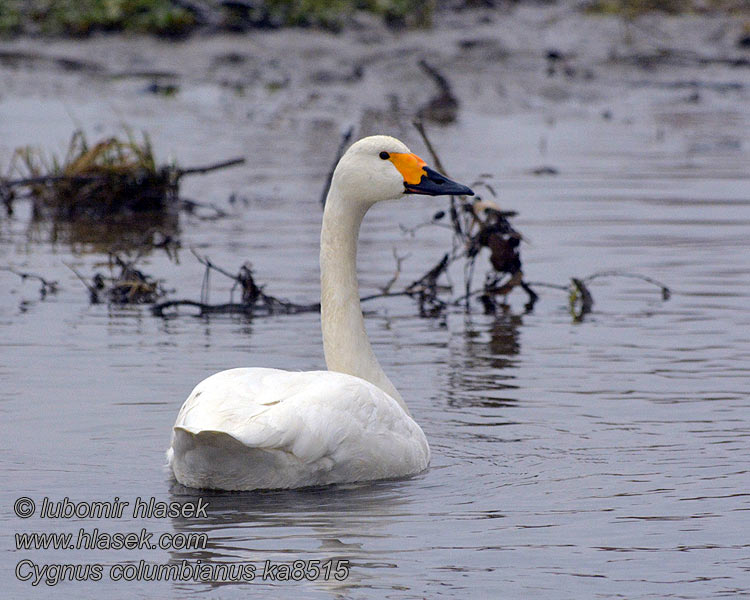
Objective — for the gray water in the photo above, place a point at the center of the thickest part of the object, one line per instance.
(600, 459)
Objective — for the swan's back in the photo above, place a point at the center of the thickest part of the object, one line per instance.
(257, 428)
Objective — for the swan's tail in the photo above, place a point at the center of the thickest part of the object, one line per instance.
(212, 459)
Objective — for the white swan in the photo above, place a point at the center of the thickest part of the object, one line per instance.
(254, 428)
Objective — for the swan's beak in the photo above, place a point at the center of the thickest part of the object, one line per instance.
(421, 179)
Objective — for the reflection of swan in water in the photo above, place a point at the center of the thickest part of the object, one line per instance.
(486, 365)
(246, 429)
(283, 526)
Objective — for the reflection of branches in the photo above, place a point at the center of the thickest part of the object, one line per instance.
(190, 206)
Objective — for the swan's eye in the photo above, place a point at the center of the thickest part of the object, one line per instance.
(385, 155)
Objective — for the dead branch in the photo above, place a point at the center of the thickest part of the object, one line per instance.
(93, 291)
(46, 287)
(385, 295)
(399, 261)
(666, 293)
(457, 228)
(255, 302)
(225, 164)
(554, 286)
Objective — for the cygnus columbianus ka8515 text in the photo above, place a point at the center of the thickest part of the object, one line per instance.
(255, 428)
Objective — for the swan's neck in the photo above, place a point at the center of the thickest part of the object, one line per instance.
(347, 347)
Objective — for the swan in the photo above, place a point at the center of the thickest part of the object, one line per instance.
(259, 428)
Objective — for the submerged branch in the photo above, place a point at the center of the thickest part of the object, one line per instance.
(47, 287)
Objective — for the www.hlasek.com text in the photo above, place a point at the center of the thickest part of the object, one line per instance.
(95, 539)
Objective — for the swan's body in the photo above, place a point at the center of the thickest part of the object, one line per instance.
(257, 428)
(267, 428)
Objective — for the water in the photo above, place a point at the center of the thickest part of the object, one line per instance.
(603, 459)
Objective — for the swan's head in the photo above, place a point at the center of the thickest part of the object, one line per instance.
(381, 167)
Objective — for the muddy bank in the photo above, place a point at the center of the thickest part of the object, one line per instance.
(301, 82)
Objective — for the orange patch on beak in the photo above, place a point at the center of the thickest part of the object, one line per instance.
(409, 165)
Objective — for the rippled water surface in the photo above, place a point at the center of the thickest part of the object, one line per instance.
(605, 459)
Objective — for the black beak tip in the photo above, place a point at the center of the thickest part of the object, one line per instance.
(435, 184)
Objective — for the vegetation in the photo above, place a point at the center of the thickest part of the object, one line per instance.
(631, 9)
(110, 177)
(115, 178)
(174, 18)
(82, 17)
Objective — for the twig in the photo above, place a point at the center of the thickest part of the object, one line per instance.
(413, 230)
(533, 296)
(399, 260)
(204, 260)
(665, 291)
(555, 286)
(255, 301)
(457, 228)
(385, 295)
(93, 292)
(428, 281)
(208, 168)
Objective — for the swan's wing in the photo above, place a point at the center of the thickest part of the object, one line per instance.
(224, 400)
(310, 415)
